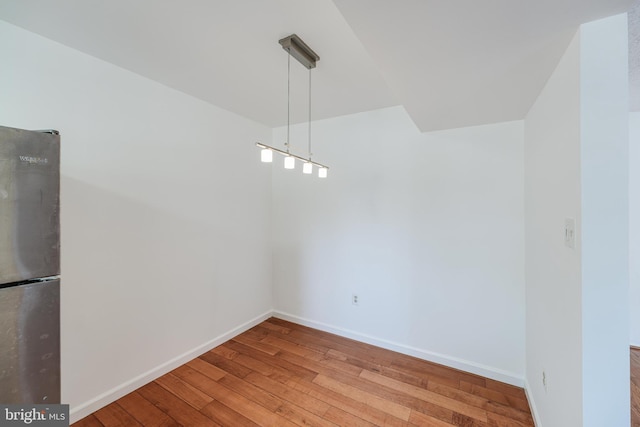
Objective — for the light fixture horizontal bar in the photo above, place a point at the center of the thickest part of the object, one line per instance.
(284, 153)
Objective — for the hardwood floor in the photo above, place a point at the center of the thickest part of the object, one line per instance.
(282, 374)
(635, 387)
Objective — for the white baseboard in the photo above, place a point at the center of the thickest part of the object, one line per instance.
(78, 412)
(453, 362)
(532, 404)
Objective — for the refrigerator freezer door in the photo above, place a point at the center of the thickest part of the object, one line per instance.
(30, 337)
(29, 205)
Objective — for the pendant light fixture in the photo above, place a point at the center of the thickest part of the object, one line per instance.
(298, 49)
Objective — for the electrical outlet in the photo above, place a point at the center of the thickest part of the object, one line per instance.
(354, 299)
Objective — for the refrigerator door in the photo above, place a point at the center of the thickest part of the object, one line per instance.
(29, 205)
(30, 337)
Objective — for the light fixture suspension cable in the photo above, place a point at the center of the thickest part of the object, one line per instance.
(310, 114)
(288, 144)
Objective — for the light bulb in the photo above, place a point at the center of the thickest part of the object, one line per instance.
(322, 173)
(289, 162)
(266, 155)
(307, 168)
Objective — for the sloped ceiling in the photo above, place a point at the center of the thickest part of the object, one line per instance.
(450, 63)
(460, 63)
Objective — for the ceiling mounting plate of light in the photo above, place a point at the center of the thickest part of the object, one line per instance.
(300, 51)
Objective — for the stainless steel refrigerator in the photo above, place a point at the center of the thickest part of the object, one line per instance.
(29, 266)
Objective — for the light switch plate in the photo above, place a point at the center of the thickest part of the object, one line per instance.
(570, 233)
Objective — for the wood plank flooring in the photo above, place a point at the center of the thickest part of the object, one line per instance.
(282, 374)
(635, 387)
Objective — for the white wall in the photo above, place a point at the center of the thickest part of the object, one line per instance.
(553, 295)
(576, 299)
(165, 215)
(604, 157)
(634, 227)
(426, 228)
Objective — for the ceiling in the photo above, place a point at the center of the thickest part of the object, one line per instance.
(450, 63)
